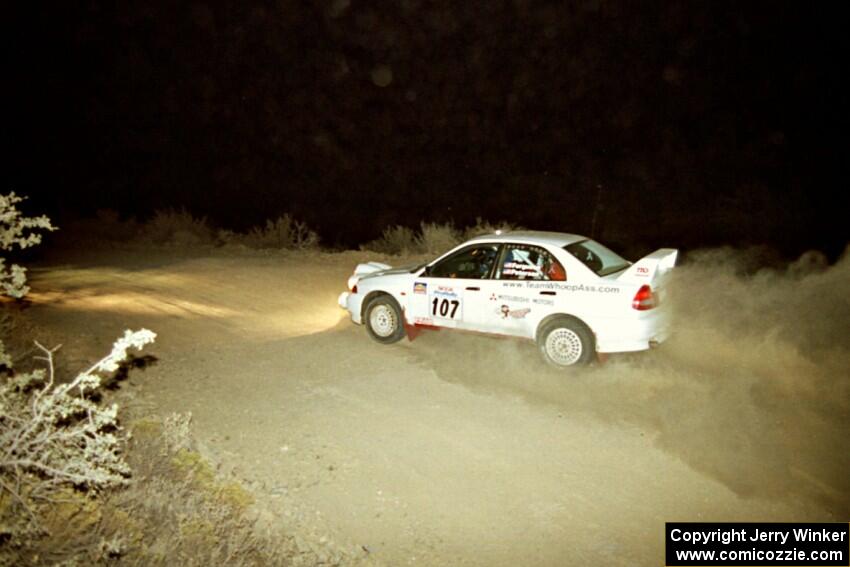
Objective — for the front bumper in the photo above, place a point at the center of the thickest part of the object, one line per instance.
(351, 302)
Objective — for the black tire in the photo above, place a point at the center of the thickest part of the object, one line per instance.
(566, 341)
(384, 320)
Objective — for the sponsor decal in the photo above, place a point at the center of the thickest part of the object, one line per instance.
(520, 270)
(516, 298)
(543, 301)
(423, 321)
(562, 286)
(505, 311)
(420, 287)
(573, 287)
(492, 297)
(445, 291)
(642, 271)
(553, 285)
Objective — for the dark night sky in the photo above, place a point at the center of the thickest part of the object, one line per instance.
(686, 123)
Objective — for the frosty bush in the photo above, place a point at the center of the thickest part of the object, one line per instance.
(283, 233)
(55, 436)
(17, 230)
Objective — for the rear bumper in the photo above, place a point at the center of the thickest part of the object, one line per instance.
(633, 334)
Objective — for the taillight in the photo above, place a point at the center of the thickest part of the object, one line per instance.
(644, 299)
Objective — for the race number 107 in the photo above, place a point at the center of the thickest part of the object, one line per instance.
(444, 307)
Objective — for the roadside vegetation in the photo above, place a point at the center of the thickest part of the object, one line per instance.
(178, 228)
(172, 509)
(431, 238)
(84, 484)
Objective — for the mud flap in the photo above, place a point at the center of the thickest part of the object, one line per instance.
(413, 331)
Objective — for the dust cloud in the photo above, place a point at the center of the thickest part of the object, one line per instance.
(752, 390)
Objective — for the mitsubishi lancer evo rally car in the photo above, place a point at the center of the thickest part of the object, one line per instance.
(570, 294)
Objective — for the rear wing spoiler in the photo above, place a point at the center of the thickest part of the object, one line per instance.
(651, 268)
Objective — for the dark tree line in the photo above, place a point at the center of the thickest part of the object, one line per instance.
(669, 122)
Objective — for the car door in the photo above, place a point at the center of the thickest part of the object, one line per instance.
(449, 291)
(520, 293)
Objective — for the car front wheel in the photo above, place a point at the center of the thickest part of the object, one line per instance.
(566, 341)
(384, 321)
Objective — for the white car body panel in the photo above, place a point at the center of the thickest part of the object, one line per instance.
(518, 307)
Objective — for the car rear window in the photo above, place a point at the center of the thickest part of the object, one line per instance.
(598, 258)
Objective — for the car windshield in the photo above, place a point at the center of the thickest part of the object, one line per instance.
(598, 258)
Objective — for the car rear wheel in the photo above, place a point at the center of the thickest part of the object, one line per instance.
(384, 321)
(566, 341)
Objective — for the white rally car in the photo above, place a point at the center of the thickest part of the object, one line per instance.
(572, 295)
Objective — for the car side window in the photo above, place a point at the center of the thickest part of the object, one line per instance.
(524, 262)
(475, 262)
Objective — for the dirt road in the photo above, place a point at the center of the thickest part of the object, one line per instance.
(465, 450)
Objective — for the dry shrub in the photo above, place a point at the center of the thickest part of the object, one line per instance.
(283, 233)
(176, 228)
(13, 327)
(436, 238)
(177, 511)
(106, 226)
(179, 228)
(482, 227)
(431, 238)
(394, 240)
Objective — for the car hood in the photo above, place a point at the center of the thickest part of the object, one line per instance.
(375, 269)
